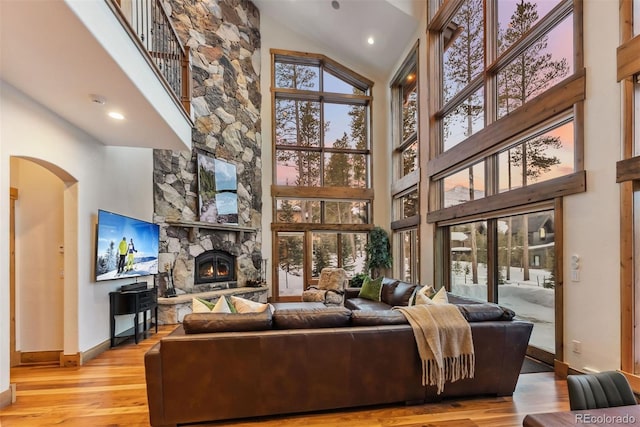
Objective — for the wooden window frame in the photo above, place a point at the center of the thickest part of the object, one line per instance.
(565, 98)
(628, 68)
(404, 184)
(322, 193)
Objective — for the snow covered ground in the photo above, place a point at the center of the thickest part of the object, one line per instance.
(530, 300)
(139, 269)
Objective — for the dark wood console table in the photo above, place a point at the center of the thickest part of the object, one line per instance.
(133, 299)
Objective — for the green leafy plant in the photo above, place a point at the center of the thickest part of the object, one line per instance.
(357, 280)
(378, 252)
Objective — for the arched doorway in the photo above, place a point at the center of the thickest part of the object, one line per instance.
(43, 265)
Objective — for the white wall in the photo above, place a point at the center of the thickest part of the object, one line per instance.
(98, 177)
(275, 36)
(592, 306)
(39, 263)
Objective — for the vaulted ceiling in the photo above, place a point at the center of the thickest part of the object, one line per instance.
(391, 23)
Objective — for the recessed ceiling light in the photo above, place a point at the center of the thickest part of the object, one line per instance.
(335, 4)
(116, 115)
(370, 40)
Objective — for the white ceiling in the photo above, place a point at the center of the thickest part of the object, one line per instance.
(49, 54)
(392, 24)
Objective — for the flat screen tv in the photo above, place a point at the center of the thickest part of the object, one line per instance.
(126, 247)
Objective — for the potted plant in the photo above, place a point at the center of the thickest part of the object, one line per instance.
(357, 280)
(378, 252)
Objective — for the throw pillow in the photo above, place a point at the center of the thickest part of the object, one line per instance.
(440, 297)
(332, 279)
(423, 295)
(243, 305)
(371, 289)
(199, 305)
(223, 306)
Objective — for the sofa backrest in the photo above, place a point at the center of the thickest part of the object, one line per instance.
(396, 292)
(199, 323)
(312, 318)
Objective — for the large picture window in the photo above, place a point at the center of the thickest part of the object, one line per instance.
(322, 192)
(506, 141)
(406, 172)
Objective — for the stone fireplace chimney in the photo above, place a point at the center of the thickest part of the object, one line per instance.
(224, 38)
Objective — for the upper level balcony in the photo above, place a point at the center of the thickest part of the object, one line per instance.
(82, 59)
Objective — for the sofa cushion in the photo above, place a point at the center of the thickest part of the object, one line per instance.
(458, 299)
(310, 318)
(295, 305)
(371, 289)
(401, 294)
(199, 323)
(377, 318)
(388, 288)
(483, 312)
(313, 294)
(365, 304)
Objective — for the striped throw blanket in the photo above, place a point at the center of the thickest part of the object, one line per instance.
(444, 341)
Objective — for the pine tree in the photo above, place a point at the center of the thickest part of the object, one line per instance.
(358, 126)
(464, 60)
(290, 254)
(533, 72)
(286, 212)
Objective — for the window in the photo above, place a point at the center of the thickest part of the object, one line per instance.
(407, 260)
(322, 192)
(406, 159)
(509, 82)
(629, 179)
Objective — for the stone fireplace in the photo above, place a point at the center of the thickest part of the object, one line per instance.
(215, 267)
(224, 41)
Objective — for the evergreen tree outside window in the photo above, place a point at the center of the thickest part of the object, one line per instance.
(495, 62)
(322, 192)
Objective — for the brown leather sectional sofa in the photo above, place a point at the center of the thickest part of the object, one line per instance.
(307, 357)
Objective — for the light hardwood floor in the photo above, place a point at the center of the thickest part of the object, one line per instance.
(110, 391)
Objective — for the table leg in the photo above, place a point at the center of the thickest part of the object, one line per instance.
(135, 327)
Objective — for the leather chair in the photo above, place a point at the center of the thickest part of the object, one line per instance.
(601, 390)
(330, 289)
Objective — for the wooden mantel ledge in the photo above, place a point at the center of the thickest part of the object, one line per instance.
(210, 226)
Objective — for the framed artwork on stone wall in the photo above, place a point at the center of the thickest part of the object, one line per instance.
(217, 190)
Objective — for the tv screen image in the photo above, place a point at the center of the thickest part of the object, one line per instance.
(126, 247)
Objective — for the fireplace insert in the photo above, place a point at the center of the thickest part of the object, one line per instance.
(215, 266)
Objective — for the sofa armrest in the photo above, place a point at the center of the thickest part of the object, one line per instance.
(351, 292)
(153, 374)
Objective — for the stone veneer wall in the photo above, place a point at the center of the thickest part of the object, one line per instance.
(224, 39)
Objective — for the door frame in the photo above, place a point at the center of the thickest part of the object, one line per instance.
(14, 356)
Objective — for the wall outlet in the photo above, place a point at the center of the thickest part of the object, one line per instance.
(576, 346)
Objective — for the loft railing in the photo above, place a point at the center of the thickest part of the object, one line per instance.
(148, 21)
